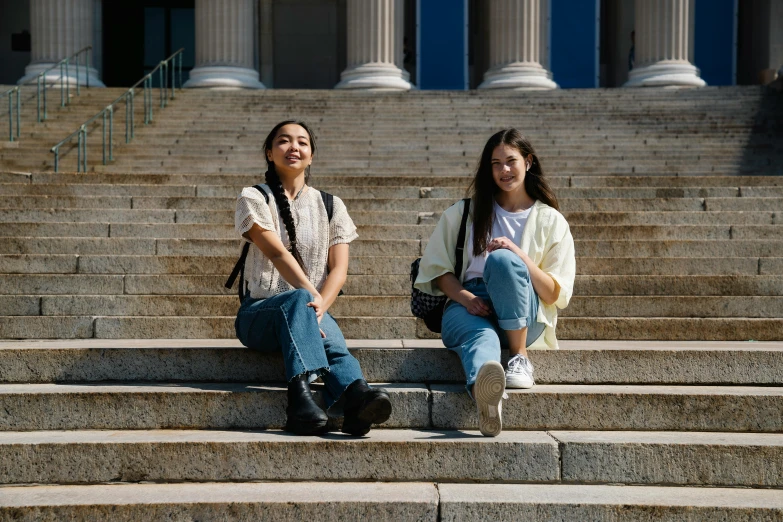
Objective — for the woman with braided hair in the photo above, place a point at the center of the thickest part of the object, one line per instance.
(292, 278)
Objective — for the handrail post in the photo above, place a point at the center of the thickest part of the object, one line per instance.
(103, 142)
(18, 113)
(111, 132)
(180, 70)
(127, 123)
(132, 126)
(79, 151)
(146, 109)
(149, 95)
(173, 82)
(87, 66)
(44, 97)
(56, 157)
(67, 84)
(62, 87)
(10, 117)
(38, 98)
(160, 75)
(78, 89)
(84, 149)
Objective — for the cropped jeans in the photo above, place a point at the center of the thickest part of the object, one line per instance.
(286, 324)
(507, 289)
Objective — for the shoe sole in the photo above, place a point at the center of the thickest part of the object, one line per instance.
(488, 391)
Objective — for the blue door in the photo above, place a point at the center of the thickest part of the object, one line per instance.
(574, 40)
(442, 44)
(715, 41)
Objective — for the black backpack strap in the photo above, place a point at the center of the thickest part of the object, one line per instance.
(239, 267)
(461, 238)
(328, 203)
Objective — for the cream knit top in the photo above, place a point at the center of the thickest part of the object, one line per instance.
(314, 234)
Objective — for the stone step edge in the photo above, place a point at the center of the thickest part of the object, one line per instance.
(595, 457)
(426, 501)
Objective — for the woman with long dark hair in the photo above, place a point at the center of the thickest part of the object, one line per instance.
(290, 281)
(520, 268)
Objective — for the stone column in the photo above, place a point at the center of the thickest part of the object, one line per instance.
(517, 50)
(375, 33)
(663, 45)
(224, 45)
(59, 28)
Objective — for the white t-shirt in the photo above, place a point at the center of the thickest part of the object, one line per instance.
(504, 223)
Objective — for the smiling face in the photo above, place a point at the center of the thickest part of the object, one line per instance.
(509, 167)
(291, 150)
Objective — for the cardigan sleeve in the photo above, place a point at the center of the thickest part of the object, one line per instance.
(439, 256)
(559, 259)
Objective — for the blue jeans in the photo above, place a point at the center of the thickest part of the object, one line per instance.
(285, 323)
(507, 289)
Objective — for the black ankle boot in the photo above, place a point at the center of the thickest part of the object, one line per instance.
(364, 406)
(304, 415)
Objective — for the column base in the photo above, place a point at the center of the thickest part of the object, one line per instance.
(665, 74)
(224, 77)
(518, 77)
(376, 77)
(53, 76)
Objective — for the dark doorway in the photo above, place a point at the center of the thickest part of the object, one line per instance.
(138, 35)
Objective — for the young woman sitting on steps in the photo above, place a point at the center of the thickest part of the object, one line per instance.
(293, 277)
(520, 264)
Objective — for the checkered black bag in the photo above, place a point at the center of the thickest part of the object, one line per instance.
(430, 307)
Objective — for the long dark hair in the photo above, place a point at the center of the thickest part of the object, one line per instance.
(274, 183)
(483, 187)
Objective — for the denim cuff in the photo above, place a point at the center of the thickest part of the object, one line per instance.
(516, 323)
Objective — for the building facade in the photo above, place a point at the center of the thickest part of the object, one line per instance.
(403, 44)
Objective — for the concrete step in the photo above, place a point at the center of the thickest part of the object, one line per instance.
(88, 457)
(134, 406)
(400, 361)
(650, 458)
(387, 231)
(186, 177)
(282, 501)
(395, 306)
(362, 327)
(389, 285)
(386, 501)
(602, 503)
(370, 265)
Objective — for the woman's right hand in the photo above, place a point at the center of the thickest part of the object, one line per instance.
(476, 306)
(317, 304)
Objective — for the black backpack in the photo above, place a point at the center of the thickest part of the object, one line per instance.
(239, 267)
(430, 307)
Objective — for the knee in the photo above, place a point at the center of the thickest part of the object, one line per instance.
(505, 262)
(300, 297)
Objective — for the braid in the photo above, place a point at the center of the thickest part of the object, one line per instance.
(274, 183)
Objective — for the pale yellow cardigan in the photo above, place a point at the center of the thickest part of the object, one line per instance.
(546, 239)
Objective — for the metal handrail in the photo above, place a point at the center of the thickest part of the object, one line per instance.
(65, 89)
(10, 92)
(166, 93)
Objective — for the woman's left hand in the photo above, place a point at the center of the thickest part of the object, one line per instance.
(504, 242)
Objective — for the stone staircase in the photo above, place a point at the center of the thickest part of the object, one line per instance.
(131, 400)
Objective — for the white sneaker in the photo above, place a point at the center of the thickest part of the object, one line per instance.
(488, 391)
(520, 372)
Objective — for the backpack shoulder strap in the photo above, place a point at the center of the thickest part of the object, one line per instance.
(461, 238)
(239, 266)
(263, 193)
(328, 200)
